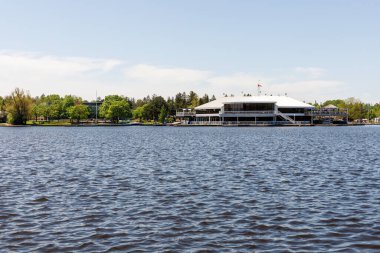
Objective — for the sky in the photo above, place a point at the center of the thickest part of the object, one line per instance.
(309, 50)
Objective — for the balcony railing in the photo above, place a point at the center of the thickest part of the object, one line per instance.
(332, 113)
(185, 114)
(206, 123)
(249, 112)
(246, 123)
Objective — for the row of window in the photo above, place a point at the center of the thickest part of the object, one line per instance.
(208, 111)
(249, 107)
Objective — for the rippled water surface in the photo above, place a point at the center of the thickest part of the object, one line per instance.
(174, 189)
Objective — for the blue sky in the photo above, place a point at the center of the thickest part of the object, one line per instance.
(312, 50)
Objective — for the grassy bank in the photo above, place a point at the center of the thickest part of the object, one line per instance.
(48, 123)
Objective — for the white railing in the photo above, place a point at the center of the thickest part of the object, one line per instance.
(242, 123)
(254, 123)
(250, 123)
(249, 112)
(185, 114)
(324, 112)
(206, 123)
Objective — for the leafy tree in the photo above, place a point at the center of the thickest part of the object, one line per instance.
(180, 100)
(103, 110)
(203, 100)
(371, 113)
(18, 105)
(55, 106)
(45, 110)
(78, 112)
(68, 101)
(2, 109)
(163, 114)
(376, 110)
(337, 102)
(132, 102)
(118, 110)
(139, 103)
(171, 106)
(50, 106)
(356, 109)
(153, 108)
(115, 107)
(139, 112)
(193, 100)
(37, 110)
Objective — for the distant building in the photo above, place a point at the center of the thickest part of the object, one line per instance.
(250, 110)
(255, 110)
(93, 107)
(330, 114)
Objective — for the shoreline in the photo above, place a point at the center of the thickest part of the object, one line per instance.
(179, 125)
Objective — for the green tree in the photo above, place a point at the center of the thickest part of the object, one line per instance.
(37, 110)
(139, 103)
(163, 114)
(203, 100)
(139, 112)
(103, 110)
(193, 100)
(68, 101)
(78, 112)
(153, 108)
(356, 109)
(171, 106)
(337, 102)
(44, 110)
(2, 103)
(51, 106)
(2, 109)
(18, 106)
(180, 101)
(376, 110)
(114, 108)
(118, 110)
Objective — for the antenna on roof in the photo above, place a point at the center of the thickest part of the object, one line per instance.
(259, 88)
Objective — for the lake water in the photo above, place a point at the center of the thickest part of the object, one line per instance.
(190, 189)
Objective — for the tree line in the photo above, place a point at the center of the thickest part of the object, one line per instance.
(19, 107)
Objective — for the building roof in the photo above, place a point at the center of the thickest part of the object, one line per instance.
(281, 102)
(330, 106)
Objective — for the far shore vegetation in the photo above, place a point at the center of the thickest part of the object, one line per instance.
(20, 108)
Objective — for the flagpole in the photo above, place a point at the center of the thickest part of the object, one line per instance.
(258, 88)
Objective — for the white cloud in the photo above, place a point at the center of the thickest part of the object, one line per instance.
(145, 79)
(309, 90)
(48, 74)
(311, 72)
(54, 65)
(150, 73)
(243, 80)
